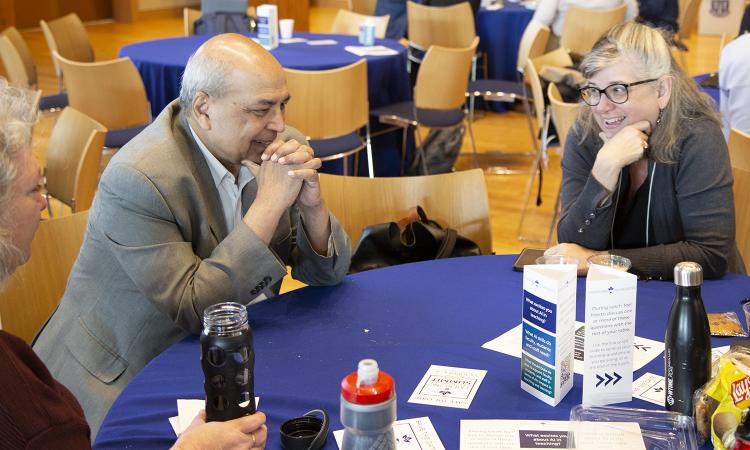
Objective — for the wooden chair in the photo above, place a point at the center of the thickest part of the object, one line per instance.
(189, 16)
(445, 26)
(366, 7)
(686, 21)
(24, 54)
(583, 27)
(21, 70)
(73, 159)
(35, 289)
(347, 22)
(739, 153)
(541, 117)
(67, 37)
(439, 96)
(110, 92)
(331, 107)
(456, 199)
(564, 116)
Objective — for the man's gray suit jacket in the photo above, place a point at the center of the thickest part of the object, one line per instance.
(156, 253)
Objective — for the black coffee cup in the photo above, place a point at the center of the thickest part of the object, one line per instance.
(308, 432)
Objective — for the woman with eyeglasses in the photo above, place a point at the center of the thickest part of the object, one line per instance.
(646, 171)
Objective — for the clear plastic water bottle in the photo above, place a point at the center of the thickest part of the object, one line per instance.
(368, 408)
(687, 341)
(367, 33)
(227, 360)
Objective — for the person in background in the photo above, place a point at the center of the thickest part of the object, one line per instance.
(659, 14)
(36, 411)
(210, 203)
(734, 84)
(552, 13)
(646, 172)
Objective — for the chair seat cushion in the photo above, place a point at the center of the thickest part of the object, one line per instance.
(403, 114)
(497, 90)
(327, 148)
(118, 138)
(53, 101)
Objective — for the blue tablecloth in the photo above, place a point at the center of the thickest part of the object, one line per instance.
(407, 318)
(713, 92)
(500, 34)
(161, 63)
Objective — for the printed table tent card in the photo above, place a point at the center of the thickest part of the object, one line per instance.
(610, 332)
(547, 330)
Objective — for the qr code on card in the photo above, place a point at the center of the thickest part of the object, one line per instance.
(565, 370)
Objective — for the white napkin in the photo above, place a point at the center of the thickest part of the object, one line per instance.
(375, 50)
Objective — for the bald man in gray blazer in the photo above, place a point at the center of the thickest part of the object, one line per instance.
(208, 204)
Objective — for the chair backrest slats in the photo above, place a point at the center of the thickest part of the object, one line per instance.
(328, 103)
(24, 53)
(73, 157)
(110, 92)
(457, 200)
(67, 36)
(563, 114)
(533, 43)
(583, 27)
(739, 153)
(15, 69)
(34, 290)
(443, 77)
(446, 26)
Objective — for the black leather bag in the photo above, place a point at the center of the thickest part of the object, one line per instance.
(414, 238)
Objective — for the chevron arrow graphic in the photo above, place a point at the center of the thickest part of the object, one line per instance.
(609, 378)
(600, 379)
(617, 378)
(642, 347)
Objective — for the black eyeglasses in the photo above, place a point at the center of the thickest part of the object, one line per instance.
(616, 93)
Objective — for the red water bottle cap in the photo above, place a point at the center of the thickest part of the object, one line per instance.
(368, 385)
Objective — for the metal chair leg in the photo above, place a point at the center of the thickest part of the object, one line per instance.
(473, 144)
(368, 145)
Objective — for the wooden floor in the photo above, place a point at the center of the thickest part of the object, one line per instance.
(507, 132)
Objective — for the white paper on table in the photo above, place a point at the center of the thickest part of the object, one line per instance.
(411, 434)
(513, 434)
(293, 40)
(610, 335)
(374, 50)
(322, 42)
(644, 350)
(609, 435)
(649, 387)
(718, 352)
(453, 387)
(187, 409)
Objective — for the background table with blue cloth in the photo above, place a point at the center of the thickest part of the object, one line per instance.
(161, 63)
(407, 318)
(500, 33)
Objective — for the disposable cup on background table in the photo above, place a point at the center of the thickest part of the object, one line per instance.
(556, 259)
(613, 261)
(286, 28)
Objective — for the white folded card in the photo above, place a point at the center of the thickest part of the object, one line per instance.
(322, 42)
(610, 335)
(186, 412)
(375, 50)
(411, 434)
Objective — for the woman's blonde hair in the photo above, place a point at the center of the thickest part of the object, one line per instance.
(647, 51)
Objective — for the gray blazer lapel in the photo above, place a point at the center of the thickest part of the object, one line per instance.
(201, 172)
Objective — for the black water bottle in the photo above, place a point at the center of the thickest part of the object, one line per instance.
(227, 359)
(687, 342)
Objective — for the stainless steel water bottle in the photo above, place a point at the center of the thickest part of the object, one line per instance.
(227, 360)
(687, 342)
(368, 408)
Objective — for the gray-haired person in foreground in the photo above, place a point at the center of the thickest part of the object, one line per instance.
(36, 411)
(208, 204)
